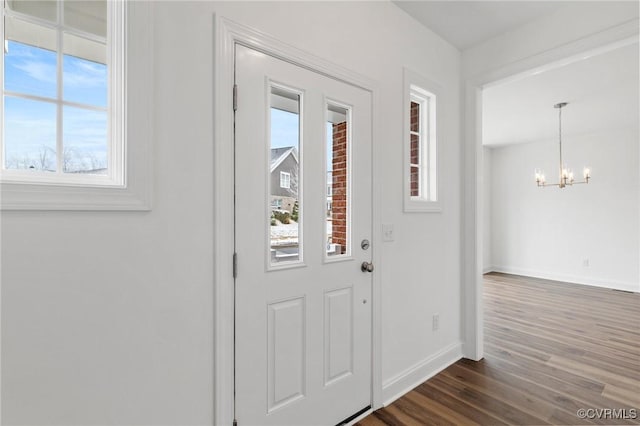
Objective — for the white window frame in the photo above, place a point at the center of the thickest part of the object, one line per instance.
(128, 185)
(285, 180)
(427, 94)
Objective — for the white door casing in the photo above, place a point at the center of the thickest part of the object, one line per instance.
(303, 329)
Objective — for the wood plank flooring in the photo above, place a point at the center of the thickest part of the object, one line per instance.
(551, 349)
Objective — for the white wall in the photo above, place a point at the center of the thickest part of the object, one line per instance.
(487, 255)
(571, 23)
(108, 317)
(550, 232)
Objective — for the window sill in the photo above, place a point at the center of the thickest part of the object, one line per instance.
(15, 196)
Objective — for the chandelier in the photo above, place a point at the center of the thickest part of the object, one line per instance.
(566, 174)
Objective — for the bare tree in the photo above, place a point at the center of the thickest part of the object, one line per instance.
(43, 162)
(67, 159)
(78, 161)
(95, 162)
(73, 160)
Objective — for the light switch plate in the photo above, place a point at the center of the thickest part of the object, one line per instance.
(387, 232)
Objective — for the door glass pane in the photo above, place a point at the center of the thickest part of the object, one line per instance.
(284, 178)
(337, 212)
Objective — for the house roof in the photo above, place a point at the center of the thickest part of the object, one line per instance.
(279, 154)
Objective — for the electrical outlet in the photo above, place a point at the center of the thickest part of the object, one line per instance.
(436, 322)
(585, 263)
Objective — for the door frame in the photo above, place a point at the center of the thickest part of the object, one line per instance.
(226, 34)
(473, 196)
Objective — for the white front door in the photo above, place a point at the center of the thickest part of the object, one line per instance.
(303, 213)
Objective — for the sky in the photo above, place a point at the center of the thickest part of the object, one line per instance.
(30, 125)
(284, 132)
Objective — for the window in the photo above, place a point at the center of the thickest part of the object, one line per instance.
(420, 141)
(285, 180)
(62, 110)
(56, 80)
(421, 144)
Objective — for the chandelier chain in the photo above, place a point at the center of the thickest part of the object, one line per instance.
(560, 134)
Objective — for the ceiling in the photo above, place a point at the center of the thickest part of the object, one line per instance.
(601, 91)
(468, 23)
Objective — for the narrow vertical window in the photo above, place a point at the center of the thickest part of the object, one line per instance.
(338, 178)
(61, 108)
(415, 163)
(421, 145)
(285, 190)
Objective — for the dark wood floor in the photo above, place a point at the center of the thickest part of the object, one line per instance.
(551, 349)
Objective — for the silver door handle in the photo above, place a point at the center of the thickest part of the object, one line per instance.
(366, 267)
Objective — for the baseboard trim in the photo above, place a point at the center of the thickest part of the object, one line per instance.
(402, 383)
(488, 269)
(574, 279)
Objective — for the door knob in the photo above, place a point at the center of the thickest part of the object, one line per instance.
(366, 267)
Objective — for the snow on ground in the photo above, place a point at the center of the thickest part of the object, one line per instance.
(282, 234)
